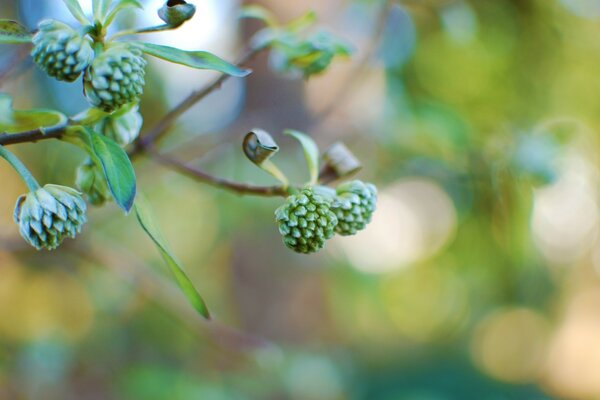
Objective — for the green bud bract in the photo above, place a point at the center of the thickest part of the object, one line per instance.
(115, 78)
(176, 12)
(49, 214)
(306, 221)
(123, 126)
(354, 206)
(61, 51)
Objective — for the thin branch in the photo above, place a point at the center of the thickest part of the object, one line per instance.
(162, 127)
(34, 135)
(205, 177)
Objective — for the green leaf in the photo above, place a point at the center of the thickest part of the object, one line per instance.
(302, 22)
(12, 121)
(119, 6)
(194, 59)
(311, 152)
(75, 9)
(89, 116)
(147, 222)
(258, 12)
(100, 8)
(11, 32)
(117, 168)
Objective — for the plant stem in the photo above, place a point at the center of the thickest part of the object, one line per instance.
(202, 176)
(13, 160)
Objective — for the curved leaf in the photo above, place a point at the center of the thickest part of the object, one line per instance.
(255, 11)
(147, 222)
(11, 32)
(76, 10)
(193, 59)
(117, 168)
(12, 121)
(311, 152)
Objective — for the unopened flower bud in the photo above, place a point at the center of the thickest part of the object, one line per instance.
(306, 221)
(49, 214)
(61, 51)
(90, 180)
(354, 206)
(176, 12)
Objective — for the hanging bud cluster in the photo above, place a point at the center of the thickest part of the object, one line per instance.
(61, 51)
(310, 218)
(50, 214)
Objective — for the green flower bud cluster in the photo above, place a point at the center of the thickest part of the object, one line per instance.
(113, 73)
(115, 77)
(50, 214)
(90, 180)
(354, 206)
(308, 219)
(61, 51)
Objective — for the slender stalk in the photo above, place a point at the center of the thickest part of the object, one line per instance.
(18, 165)
(150, 29)
(203, 176)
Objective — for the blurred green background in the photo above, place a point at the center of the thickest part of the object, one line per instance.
(477, 279)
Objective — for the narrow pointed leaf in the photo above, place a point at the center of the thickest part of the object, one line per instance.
(311, 152)
(76, 10)
(100, 8)
(121, 5)
(11, 32)
(146, 220)
(117, 168)
(193, 59)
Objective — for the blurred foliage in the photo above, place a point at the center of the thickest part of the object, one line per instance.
(478, 277)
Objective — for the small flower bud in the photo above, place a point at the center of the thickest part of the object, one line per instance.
(306, 221)
(115, 78)
(61, 51)
(90, 180)
(48, 215)
(354, 206)
(176, 12)
(124, 127)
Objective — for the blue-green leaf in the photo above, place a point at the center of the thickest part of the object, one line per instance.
(311, 152)
(119, 6)
(146, 220)
(76, 10)
(13, 121)
(100, 8)
(11, 32)
(117, 168)
(194, 59)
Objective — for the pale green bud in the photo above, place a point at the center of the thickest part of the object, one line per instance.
(49, 214)
(123, 127)
(354, 206)
(176, 12)
(115, 78)
(90, 180)
(61, 51)
(306, 221)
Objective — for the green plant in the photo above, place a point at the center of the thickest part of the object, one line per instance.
(112, 68)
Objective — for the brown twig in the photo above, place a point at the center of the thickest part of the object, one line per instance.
(34, 135)
(203, 176)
